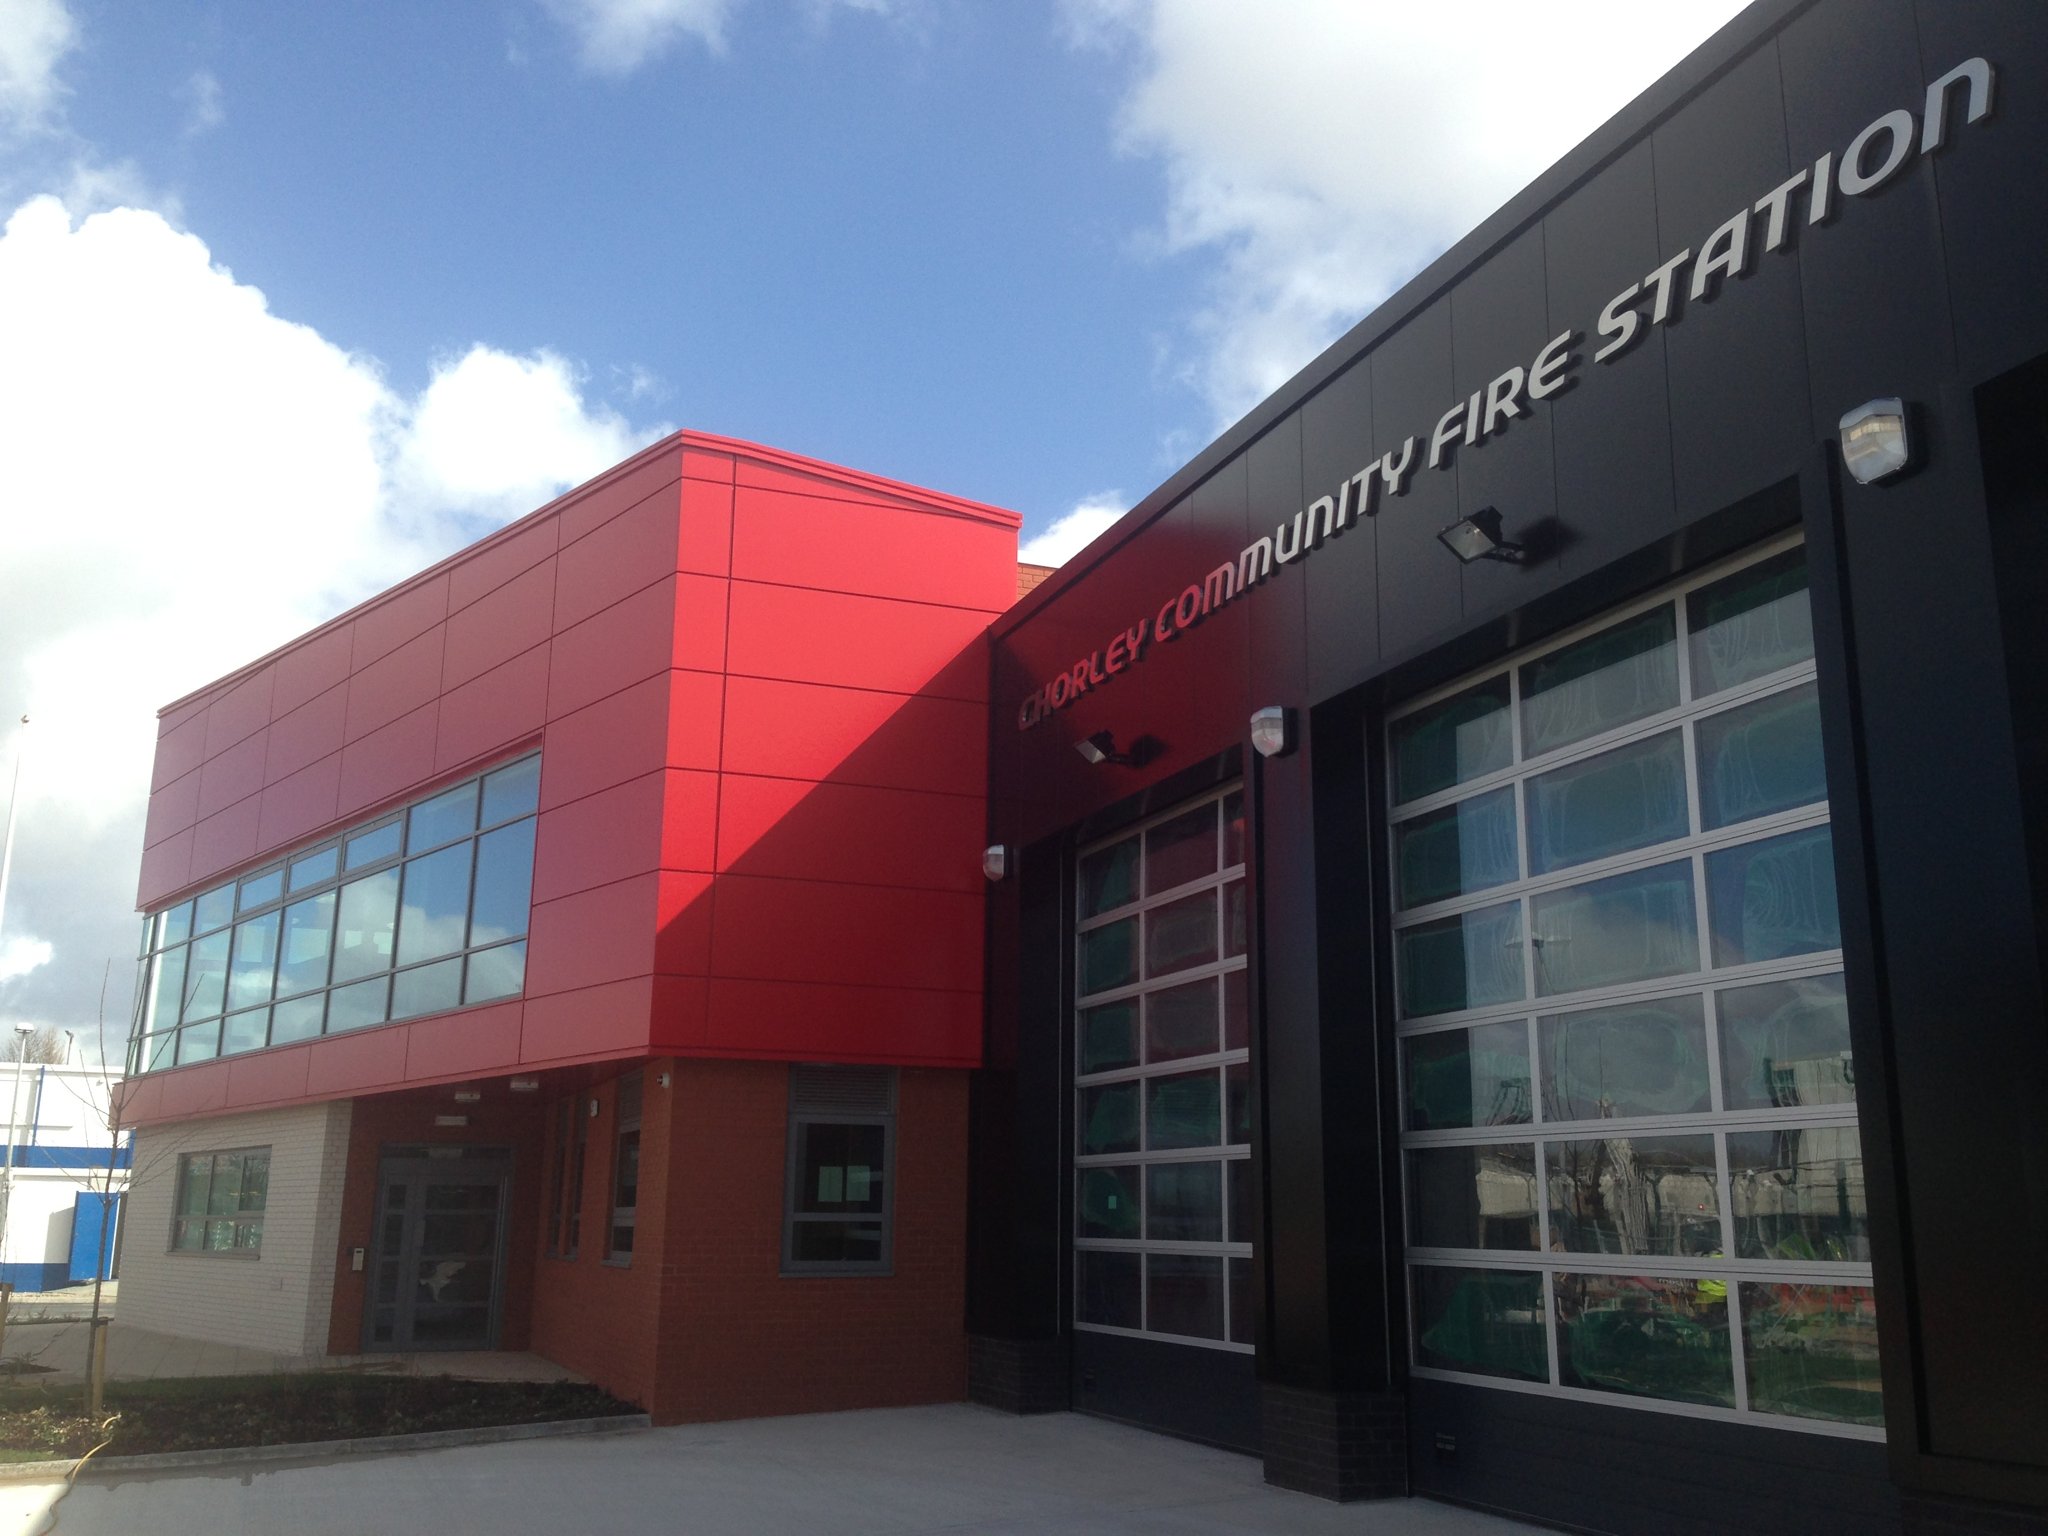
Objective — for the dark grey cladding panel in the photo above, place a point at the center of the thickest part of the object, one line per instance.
(1612, 428)
(1411, 387)
(1874, 322)
(1740, 412)
(1500, 320)
(1994, 193)
(1337, 440)
(1277, 609)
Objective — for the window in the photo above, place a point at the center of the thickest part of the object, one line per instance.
(418, 912)
(1162, 1087)
(565, 1178)
(220, 1202)
(1633, 1170)
(625, 1170)
(842, 1152)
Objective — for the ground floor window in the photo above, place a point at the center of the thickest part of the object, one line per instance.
(1630, 1141)
(221, 1196)
(1162, 1155)
(842, 1134)
(626, 1170)
(565, 1178)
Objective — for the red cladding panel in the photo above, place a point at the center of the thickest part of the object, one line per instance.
(628, 641)
(599, 839)
(300, 805)
(877, 936)
(796, 830)
(267, 1077)
(171, 809)
(592, 937)
(405, 614)
(678, 1012)
(166, 866)
(594, 1021)
(307, 734)
(601, 504)
(683, 941)
(695, 719)
(201, 1091)
(689, 820)
(505, 623)
(396, 683)
(700, 623)
(233, 774)
(312, 667)
(617, 738)
(388, 762)
(372, 1058)
(841, 546)
(705, 464)
(803, 1021)
(179, 750)
(243, 709)
(496, 563)
(223, 841)
(474, 1041)
(858, 642)
(617, 558)
(493, 711)
(705, 542)
(761, 475)
(847, 735)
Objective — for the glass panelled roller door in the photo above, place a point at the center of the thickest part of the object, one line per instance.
(1631, 1157)
(1162, 1215)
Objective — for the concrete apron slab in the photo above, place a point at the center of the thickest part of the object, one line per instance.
(954, 1469)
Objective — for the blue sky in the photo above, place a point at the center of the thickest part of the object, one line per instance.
(295, 299)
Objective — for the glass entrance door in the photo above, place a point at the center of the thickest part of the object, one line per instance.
(435, 1274)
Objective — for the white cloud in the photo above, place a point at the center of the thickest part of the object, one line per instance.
(34, 37)
(202, 97)
(1070, 534)
(615, 37)
(19, 956)
(190, 480)
(1323, 151)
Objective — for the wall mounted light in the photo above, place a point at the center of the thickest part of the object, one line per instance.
(662, 1079)
(1875, 443)
(451, 1122)
(468, 1096)
(1101, 748)
(995, 861)
(1478, 537)
(524, 1085)
(1273, 730)
(593, 1109)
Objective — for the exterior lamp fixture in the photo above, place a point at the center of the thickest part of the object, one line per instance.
(468, 1096)
(1875, 443)
(1478, 537)
(1101, 748)
(524, 1085)
(450, 1122)
(995, 861)
(1273, 731)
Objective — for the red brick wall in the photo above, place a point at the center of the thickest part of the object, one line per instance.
(739, 1339)
(595, 1317)
(409, 1119)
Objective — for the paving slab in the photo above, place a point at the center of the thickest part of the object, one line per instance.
(956, 1469)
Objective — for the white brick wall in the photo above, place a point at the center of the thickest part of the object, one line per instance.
(281, 1298)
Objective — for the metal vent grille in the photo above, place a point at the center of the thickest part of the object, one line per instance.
(842, 1090)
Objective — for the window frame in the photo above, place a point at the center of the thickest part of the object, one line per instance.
(1710, 978)
(211, 1031)
(240, 1219)
(802, 1118)
(624, 1125)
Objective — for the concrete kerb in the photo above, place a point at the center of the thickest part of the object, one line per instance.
(112, 1468)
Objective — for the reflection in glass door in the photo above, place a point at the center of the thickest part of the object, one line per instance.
(436, 1267)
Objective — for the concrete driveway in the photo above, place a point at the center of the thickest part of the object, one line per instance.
(892, 1472)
